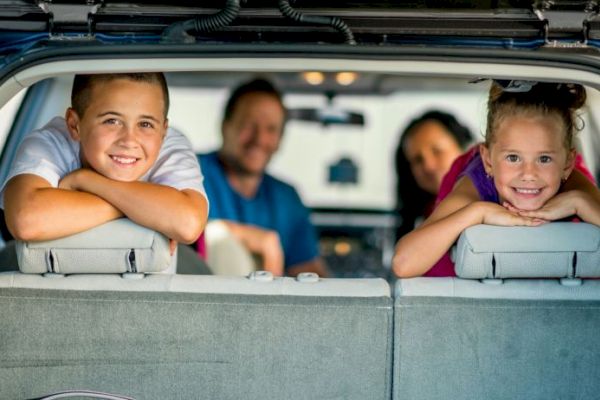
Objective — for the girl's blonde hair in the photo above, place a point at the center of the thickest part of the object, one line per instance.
(560, 100)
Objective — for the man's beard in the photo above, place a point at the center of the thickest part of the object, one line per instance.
(239, 169)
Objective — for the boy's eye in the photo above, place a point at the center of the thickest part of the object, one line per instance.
(111, 121)
(146, 124)
(512, 158)
(545, 159)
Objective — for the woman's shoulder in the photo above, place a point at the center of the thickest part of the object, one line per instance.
(458, 167)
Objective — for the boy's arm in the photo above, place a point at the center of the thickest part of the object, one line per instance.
(34, 210)
(419, 250)
(178, 214)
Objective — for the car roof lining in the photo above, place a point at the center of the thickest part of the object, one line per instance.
(413, 68)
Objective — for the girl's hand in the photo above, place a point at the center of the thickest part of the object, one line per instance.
(566, 204)
(560, 206)
(495, 214)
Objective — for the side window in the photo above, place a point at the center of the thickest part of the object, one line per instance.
(7, 115)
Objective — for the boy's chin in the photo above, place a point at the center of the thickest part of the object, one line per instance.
(123, 178)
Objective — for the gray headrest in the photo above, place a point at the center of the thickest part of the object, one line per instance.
(553, 250)
(115, 247)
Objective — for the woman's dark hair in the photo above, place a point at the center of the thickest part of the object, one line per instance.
(412, 201)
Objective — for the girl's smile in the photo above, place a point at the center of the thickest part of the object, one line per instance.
(528, 160)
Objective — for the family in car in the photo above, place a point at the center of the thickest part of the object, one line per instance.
(526, 173)
(113, 156)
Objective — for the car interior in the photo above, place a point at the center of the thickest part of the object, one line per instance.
(110, 314)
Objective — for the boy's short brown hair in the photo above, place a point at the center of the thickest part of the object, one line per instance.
(83, 83)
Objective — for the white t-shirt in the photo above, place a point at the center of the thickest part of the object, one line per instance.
(51, 153)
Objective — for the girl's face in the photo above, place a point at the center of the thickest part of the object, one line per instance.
(528, 160)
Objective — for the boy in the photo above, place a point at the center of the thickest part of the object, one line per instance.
(110, 157)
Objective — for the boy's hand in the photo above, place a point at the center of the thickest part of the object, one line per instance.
(172, 246)
(70, 181)
(178, 214)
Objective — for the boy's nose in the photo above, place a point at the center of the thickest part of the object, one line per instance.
(128, 135)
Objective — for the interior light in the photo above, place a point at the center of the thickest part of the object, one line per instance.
(342, 248)
(314, 77)
(346, 78)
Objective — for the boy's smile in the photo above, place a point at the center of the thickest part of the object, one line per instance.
(122, 128)
(528, 160)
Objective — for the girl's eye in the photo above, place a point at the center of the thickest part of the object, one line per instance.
(512, 158)
(545, 159)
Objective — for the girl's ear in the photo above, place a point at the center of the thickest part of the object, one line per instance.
(72, 119)
(569, 165)
(486, 158)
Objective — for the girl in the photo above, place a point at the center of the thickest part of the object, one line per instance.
(519, 176)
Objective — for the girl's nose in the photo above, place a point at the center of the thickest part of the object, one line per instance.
(529, 171)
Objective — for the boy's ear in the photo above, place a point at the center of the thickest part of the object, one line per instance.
(72, 119)
(486, 158)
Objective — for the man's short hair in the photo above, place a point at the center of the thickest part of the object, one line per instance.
(257, 85)
(83, 83)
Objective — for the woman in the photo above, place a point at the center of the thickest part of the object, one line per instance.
(428, 146)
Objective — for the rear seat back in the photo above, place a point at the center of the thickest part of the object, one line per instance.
(501, 338)
(189, 337)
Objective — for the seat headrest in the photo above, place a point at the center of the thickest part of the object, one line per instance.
(553, 250)
(117, 246)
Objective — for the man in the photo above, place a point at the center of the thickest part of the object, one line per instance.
(265, 214)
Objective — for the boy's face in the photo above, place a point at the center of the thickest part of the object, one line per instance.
(121, 130)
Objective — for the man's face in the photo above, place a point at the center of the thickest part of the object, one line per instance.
(253, 133)
(122, 128)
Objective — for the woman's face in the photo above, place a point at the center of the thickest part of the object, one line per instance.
(430, 150)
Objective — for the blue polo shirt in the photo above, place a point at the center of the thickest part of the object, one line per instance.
(276, 206)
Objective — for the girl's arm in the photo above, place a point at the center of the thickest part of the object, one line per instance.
(419, 250)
